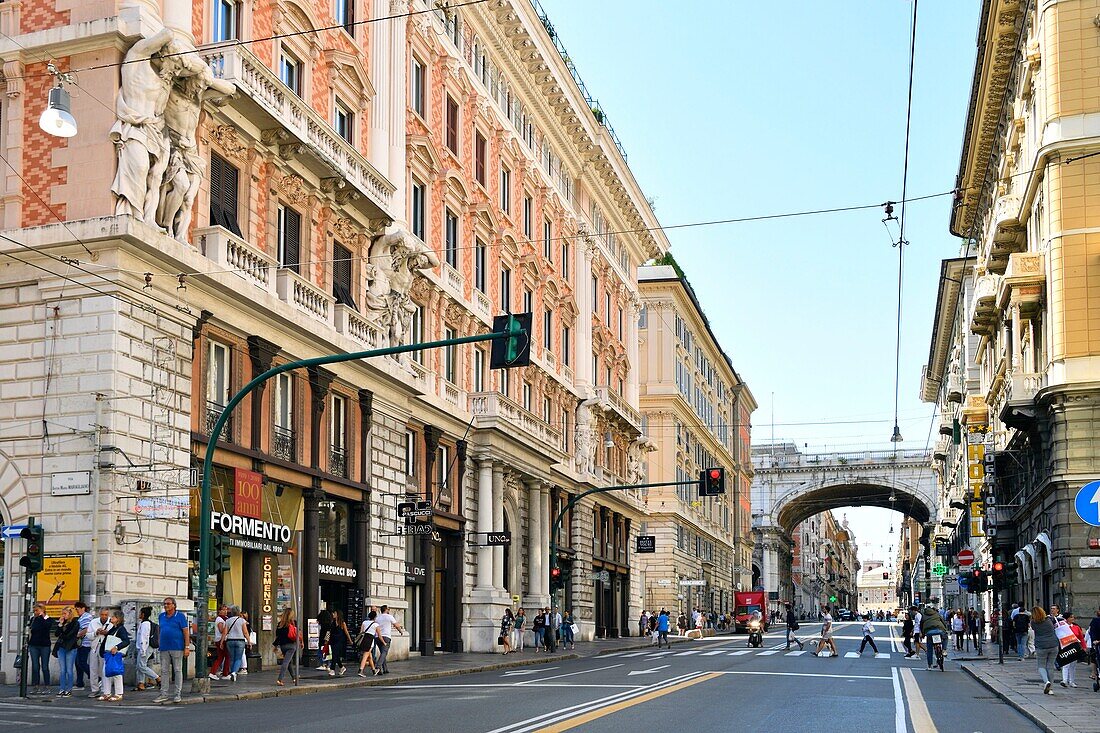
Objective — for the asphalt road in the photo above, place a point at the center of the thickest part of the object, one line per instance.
(711, 685)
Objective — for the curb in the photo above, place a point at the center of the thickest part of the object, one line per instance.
(1009, 698)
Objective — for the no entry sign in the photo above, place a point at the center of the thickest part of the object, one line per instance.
(965, 558)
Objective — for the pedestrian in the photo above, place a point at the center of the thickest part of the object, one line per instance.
(386, 624)
(370, 636)
(907, 635)
(1069, 670)
(976, 629)
(682, 624)
(288, 642)
(341, 638)
(507, 623)
(175, 646)
(792, 626)
(97, 630)
(324, 639)
(84, 618)
(116, 639)
(1046, 645)
(918, 618)
(65, 649)
(662, 629)
(553, 628)
(958, 628)
(219, 670)
(1093, 638)
(538, 628)
(237, 636)
(568, 632)
(517, 632)
(868, 637)
(144, 646)
(1021, 624)
(653, 629)
(826, 634)
(38, 649)
(643, 623)
(931, 626)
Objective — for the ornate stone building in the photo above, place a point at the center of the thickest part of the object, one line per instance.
(232, 202)
(697, 411)
(1013, 361)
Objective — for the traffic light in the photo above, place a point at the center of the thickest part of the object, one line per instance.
(979, 582)
(886, 576)
(712, 481)
(998, 576)
(514, 351)
(35, 554)
(219, 554)
(556, 582)
(566, 569)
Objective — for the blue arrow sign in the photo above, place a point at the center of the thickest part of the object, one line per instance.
(11, 530)
(1087, 503)
(964, 582)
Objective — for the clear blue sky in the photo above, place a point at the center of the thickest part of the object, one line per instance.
(737, 108)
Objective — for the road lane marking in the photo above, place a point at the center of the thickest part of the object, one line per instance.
(632, 654)
(716, 651)
(583, 718)
(768, 653)
(647, 671)
(658, 655)
(532, 723)
(568, 674)
(684, 654)
(918, 710)
(899, 704)
(832, 675)
(882, 655)
(796, 654)
(741, 652)
(523, 672)
(533, 683)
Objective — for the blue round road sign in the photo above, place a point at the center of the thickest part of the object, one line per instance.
(1087, 503)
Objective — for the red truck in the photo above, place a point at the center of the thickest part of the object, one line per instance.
(747, 602)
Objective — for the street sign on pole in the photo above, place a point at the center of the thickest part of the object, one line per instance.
(1087, 503)
(965, 558)
(11, 531)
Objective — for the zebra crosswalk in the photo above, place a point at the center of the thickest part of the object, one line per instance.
(734, 652)
(73, 714)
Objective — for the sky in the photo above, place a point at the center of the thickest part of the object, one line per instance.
(736, 109)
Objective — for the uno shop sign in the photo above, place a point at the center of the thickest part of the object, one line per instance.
(252, 534)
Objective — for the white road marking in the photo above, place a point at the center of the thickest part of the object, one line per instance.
(647, 671)
(741, 652)
(533, 683)
(918, 711)
(684, 654)
(833, 675)
(768, 653)
(568, 674)
(882, 655)
(658, 655)
(851, 655)
(899, 704)
(518, 673)
(632, 654)
(716, 651)
(795, 654)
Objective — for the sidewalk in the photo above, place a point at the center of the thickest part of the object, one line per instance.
(1017, 683)
(256, 685)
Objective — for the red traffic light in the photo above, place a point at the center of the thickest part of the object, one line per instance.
(555, 573)
(714, 474)
(977, 572)
(998, 567)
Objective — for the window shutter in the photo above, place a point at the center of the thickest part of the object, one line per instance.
(224, 180)
(341, 275)
(292, 239)
(216, 163)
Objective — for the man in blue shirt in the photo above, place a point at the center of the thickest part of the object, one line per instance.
(175, 639)
(662, 629)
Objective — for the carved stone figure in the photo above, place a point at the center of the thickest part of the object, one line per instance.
(584, 438)
(635, 468)
(139, 131)
(180, 185)
(396, 258)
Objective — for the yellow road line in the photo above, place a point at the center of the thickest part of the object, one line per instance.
(918, 711)
(570, 723)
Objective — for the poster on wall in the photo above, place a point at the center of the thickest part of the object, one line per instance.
(58, 583)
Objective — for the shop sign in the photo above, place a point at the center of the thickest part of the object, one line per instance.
(267, 593)
(645, 543)
(248, 491)
(498, 539)
(415, 573)
(409, 509)
(58, 582)
(343, 572)
(599, 576)
(415, 529)
(975, 458)
(251, 534)
(162, 507)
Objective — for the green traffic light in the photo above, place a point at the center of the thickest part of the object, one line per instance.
(512, 346)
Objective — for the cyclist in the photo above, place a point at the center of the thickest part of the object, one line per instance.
(932, 625)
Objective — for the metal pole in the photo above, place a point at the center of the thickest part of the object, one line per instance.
(93, 597)
(24, 647)
(201, 682)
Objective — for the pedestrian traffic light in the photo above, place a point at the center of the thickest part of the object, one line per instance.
(886, 576)
(712, 482)
(979, 583)
(514, 351)
(566, 569)
(34, 556)
(998, 575)
(219, 554)
(556, 582)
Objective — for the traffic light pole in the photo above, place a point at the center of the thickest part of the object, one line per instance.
(24, 644)
(555, 529)
(201, 682)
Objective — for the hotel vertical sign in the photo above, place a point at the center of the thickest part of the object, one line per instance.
(975, 461)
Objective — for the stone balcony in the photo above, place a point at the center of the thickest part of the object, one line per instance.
(354, 326)
(983, 309)
(494, 410)
(609, 399)
(298, 131)
(305, 296)
(238, 256)
(1008, 235)
(1023, 281)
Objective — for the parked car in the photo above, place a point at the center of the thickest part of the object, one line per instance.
(843, 614)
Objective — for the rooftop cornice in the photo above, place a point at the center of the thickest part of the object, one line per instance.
(953, 273)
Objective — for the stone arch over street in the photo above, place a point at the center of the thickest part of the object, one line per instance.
(790, 487)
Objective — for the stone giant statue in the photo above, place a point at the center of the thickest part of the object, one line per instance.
(395, 259)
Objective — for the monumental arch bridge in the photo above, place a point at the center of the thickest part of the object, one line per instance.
(790, 486)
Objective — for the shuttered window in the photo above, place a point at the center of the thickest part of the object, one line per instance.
(341, 275)
(290, 238)
(224, 179)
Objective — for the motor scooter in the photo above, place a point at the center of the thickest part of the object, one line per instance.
(756, 633)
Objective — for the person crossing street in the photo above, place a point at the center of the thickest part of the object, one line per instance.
(868, 637)
(792, 626)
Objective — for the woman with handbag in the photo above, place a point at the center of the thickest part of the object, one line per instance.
(369, 636)
(116, 639)
(288, 640)
(65, 650)
(505, 638)
(568, 630)
(236, 640)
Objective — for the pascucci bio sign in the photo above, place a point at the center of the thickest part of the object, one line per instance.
(251, 534)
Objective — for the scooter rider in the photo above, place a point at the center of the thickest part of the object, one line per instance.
(932, 625)
(756, 629)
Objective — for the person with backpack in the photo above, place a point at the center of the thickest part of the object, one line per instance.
(370, 636)
(1021, 624)
(148, 641)
(288, 640)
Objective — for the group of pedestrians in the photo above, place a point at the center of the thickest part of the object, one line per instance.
(548, 628)
(232, 638)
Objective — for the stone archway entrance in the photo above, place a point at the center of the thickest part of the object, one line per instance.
(14, 509)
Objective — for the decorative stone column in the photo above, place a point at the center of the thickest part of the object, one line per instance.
(484, 523)
(536, 544)
(546, 519)
(379, 153)
(261, 353)
(177, 16)
(498, 524)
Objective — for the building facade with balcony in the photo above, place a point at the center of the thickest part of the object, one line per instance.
(697, 410)
(1025, 387)
(281, 201)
